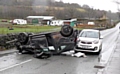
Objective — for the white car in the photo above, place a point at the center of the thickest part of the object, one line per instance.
(89, 40)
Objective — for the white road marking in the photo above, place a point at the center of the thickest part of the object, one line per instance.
(15, 65)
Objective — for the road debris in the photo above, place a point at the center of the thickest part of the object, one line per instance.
(79, 54)
(73, 54)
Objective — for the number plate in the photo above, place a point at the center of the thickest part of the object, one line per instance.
(84, 46)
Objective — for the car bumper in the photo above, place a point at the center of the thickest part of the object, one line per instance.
(87, 48)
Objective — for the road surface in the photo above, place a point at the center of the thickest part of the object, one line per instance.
(25, 63)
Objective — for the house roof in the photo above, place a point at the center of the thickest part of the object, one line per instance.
(70, 20)
(42, 17)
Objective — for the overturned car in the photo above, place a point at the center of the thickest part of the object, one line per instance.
(45, 44)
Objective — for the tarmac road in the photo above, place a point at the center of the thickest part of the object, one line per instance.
(25, 63)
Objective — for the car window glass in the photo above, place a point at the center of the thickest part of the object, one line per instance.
(89, 34)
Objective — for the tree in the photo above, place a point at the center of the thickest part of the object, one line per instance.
(86, 6)
(70, 12)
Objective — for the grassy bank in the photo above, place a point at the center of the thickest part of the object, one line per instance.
(28, 28)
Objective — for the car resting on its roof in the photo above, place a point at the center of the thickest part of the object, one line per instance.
(43, 45)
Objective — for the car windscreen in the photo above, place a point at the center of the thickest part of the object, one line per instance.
(89, 34)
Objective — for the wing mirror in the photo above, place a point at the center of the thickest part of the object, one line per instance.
(101, 37)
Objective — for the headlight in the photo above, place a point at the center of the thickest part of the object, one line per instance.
(96, 42)
(78, 40)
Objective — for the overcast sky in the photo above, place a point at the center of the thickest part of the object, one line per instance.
(96, 4)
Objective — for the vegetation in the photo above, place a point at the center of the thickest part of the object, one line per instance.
(10, 9)
(22, 8)
(29, 28)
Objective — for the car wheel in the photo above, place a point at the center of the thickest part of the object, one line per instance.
(23, 38)
(66, 30)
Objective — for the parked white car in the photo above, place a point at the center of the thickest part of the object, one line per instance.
(19, 21)
(89, 40)
(56, 23)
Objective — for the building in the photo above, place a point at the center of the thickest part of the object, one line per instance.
(42, 20)
(70, 22)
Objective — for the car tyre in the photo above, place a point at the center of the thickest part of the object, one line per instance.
(66, 30)
(23, 37)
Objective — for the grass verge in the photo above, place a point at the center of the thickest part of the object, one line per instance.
(28, 28)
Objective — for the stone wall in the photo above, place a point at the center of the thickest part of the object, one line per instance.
(4, 39)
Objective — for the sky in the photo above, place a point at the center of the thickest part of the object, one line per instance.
(97, 4)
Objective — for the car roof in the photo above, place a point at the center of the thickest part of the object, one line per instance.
(90, 30)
